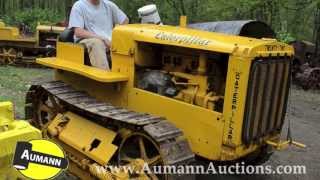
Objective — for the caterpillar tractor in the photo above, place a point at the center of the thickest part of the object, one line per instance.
(12, 131)
(21, 50)
(173, 93)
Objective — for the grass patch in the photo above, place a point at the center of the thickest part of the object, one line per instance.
(15, 82)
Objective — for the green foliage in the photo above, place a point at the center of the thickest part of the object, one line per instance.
(285, 37)
(31, 17)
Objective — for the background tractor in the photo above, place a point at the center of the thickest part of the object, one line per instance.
(306, 65)
(18, 49)
(12, 131)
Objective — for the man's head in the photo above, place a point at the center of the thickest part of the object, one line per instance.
(95, 2)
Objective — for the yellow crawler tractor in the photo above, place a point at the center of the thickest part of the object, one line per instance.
(18, 49)
(173, 92)
(12, 131)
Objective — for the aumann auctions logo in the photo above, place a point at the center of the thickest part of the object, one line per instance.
(39, 159)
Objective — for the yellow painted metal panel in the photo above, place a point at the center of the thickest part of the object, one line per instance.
(235, 99)
(70, 52)
(54, 29)
(183, 21)
(122, 43)
(6, 113)
(114, 93)
(202, 127)
(12, 34)
(10, 133)
(87, 71)
(19, 131)
(195, 39)
(9, 33)
(273, 48)
(80, 134)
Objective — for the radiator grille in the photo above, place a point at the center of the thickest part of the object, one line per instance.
(267, 96)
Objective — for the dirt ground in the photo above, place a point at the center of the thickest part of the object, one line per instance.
(303, 111)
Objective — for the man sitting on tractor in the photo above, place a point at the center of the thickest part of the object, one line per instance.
(93, 21)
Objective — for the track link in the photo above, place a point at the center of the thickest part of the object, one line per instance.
(174, 149)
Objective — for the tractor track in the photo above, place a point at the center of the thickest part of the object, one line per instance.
(174, 149)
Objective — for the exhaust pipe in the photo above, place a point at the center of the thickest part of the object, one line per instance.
(149, 15)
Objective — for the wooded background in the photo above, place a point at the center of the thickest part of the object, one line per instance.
(8, 7)
(299, 19)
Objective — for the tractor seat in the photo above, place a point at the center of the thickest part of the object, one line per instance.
(68, 36)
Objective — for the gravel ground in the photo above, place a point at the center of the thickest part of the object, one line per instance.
(304, 113)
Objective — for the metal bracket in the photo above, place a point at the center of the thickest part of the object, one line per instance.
(282, 145)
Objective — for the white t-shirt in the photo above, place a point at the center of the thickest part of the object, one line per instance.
(98, 19)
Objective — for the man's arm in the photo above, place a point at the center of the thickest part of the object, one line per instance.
(119, 17)
(126, 21)
(82, 33)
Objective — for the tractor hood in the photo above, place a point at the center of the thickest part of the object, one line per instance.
(246, 28)
(125, 37)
